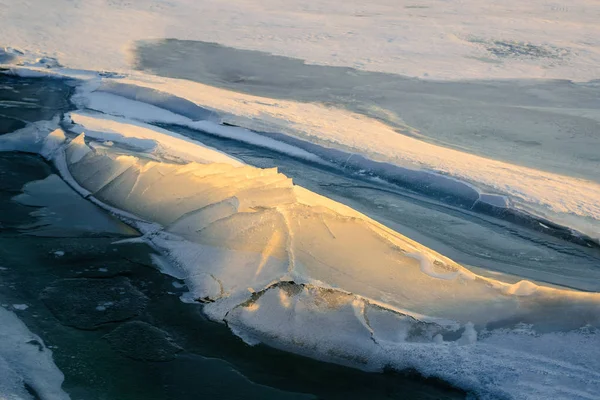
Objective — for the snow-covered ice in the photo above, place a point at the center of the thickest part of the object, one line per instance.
(25, 360)
(281, 265)
(316, 132)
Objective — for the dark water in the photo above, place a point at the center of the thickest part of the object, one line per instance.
(116, 325)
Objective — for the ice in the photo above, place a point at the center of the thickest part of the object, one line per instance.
(32, 138)
(116, 105)
(494, 200)
(143, 137)
(77, 150)
(286, 267)
(26, 361)
(316, 132)
(52, 143)
(116, 91)
(461, 41)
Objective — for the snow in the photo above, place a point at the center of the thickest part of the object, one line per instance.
(281, 265)
(142, 137)
(438, 39)
(116, 105)
(25, 360)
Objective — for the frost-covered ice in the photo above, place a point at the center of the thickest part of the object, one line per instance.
(26, 362)
(282, 265)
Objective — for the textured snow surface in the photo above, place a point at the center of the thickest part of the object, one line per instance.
(282, 265)
(438, 38)
(25, 361)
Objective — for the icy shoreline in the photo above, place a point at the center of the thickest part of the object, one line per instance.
(272, 283)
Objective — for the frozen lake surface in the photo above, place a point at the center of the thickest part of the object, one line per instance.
(276, 199)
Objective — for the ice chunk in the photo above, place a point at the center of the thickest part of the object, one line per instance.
(140, 136)
(494, 200)
(282, 265)
(52, 142)
(126, 107)
(77, 149)
(251, 227)
(25, 360)
(29, 139)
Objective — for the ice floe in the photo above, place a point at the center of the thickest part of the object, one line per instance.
(284, 266)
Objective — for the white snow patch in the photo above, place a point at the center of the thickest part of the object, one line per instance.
(120, 106)
(24, 359)
(436, 39)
